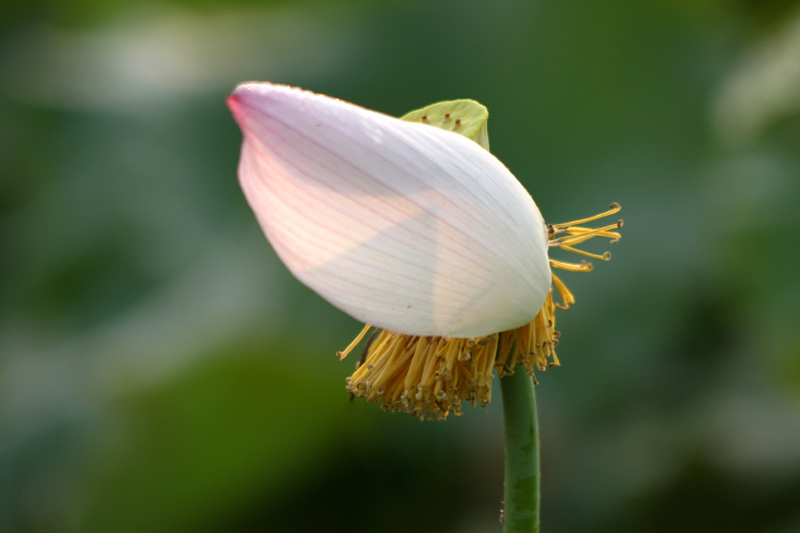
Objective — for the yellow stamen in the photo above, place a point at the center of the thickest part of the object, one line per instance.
(429, 377)
(605, 257)
(576, 235)
(614, 208)
(572, 267)
(580, 234)
(341, 355)
(567, 298)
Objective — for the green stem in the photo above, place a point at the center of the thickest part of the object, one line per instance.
(521, 509)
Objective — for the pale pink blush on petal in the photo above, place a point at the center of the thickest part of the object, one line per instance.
(401, 225)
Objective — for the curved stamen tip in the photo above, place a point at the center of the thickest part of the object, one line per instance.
(607, 256)
(620, 223)
(614, 205)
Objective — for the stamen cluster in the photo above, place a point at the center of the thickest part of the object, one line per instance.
(426, 376)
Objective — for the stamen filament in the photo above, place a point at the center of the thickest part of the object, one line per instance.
(572, 267)
(576, 235)
(567, 298)
(341, 355)
(580, 231)
(605, 257)
(577, 239)
(615, 207)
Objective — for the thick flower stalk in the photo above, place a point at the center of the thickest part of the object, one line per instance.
(413, 227)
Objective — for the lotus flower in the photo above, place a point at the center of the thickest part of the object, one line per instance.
(413, 227)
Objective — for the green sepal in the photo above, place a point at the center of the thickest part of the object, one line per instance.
(466, 117)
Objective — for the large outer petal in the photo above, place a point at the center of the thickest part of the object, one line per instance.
(401, 225)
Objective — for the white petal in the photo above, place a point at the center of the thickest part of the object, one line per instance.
(401, 225)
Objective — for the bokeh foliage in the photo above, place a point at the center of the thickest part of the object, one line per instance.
(161, 371)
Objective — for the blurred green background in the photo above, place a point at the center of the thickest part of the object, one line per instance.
(161, 371)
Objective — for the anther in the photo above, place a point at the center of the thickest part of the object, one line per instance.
(447, 115)
(614, 205)
(424, 118)
(620, 222)
(458, 121)
(607, 256)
